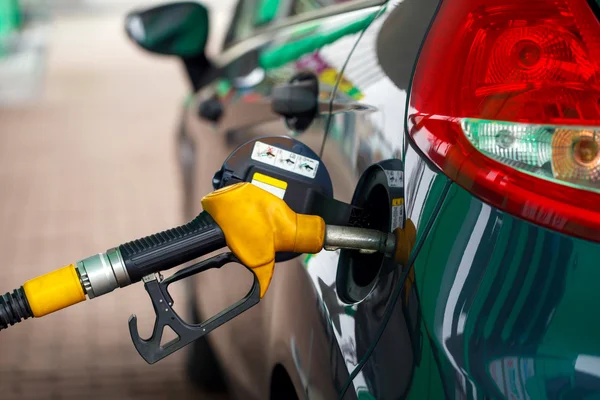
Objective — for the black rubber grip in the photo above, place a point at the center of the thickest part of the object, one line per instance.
(13, 308)
(173, 247)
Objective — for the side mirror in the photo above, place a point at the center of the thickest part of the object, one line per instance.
(179, 29)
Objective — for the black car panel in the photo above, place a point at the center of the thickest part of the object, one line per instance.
(388, 334)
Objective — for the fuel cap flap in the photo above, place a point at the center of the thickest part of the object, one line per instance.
(380, 194)
(292, 171)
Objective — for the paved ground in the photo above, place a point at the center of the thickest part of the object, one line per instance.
(88, 166)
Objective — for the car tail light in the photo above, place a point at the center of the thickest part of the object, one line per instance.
(506, 102)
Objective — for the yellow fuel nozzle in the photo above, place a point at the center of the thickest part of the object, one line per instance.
(254, 223)
(257, 224)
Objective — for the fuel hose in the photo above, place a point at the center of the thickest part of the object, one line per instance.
(252, 222)
(102, 273)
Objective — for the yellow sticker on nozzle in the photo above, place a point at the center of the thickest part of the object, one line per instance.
(54, 291)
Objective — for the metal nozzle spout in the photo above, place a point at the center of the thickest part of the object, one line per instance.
(364, 240)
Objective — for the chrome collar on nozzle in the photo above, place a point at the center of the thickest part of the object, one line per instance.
(102, 273)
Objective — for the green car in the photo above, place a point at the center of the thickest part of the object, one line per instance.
(476, 122)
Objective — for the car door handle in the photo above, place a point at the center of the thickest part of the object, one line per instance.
(297, 101)
(295, 98)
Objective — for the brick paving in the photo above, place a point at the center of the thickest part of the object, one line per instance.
(88, 166)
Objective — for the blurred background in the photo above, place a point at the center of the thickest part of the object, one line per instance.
(87, 161)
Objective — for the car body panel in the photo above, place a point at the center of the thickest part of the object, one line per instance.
(287, 328)
(244, 88)
(492, 307)
(488, 323)
(319, 356)
(379, 134)
(319, 46)
(506, 303)
(503, 312)
(388, 370)
(366, 138)
(258, 37)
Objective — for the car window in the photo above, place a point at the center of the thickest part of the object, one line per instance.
(242, 23)
(250, 15)
(253, 14)
(302, 6)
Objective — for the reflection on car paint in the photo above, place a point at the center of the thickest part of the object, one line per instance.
(329, 32)
(304, 370)
(510, 375)
(313, 62)
(328, 75)
(336, 359)
(341, 317)
(404, 361)
(365, 139)
(412, 314)
(505, 301)
(361, 139)
(322, 268)
(266, 12)
(404, 355)
(422, 183)
(372, 137)
(364, 394)
(337, 35)
(223, 88)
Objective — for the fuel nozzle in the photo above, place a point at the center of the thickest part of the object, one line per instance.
(253, 223)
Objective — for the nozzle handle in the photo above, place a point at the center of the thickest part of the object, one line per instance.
(151, 349)
(170, 248)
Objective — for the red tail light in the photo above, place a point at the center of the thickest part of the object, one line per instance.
(506, 101)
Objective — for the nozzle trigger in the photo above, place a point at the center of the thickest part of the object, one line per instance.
(150, 349)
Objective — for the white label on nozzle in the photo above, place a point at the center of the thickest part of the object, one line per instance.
(285, 160)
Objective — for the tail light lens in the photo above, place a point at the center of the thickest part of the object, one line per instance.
(506, 101)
